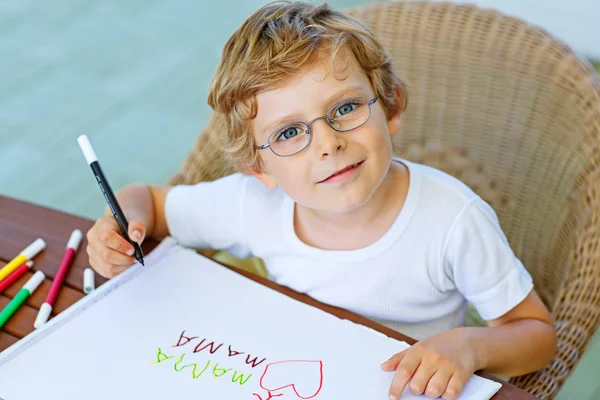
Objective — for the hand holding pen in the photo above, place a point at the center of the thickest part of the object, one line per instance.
(118, 248)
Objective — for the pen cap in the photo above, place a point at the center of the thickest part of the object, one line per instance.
(89, 283)
(34, 281)
(75, 240)
(43, 315)
(34, 248)
(86, 148)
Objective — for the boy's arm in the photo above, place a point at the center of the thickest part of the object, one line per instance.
(145, 204)
(520, 337)
(199, 216)
(520, 341)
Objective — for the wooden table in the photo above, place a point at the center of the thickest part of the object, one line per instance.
(21, 223)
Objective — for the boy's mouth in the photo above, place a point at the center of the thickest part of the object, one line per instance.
(342, 171)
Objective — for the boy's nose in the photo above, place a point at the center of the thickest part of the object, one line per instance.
(329, 141)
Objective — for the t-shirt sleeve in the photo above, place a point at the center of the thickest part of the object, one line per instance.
(481, 265)
(209, 214)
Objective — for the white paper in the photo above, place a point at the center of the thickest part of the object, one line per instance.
(185, 327)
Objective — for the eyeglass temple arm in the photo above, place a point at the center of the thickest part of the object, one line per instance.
(374, 100)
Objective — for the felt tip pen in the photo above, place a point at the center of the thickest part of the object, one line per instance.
(27, 254)
(92, 160)
(21, 297)
(16, 274)
(65, 264)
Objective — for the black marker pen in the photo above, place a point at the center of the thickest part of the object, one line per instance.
(90, 157)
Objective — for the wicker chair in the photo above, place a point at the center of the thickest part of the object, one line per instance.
(512, 112)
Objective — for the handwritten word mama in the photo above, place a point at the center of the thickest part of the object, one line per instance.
(198, 369)
(212, 348)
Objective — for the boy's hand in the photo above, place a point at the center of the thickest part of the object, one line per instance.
(109, 253)
(438, 366)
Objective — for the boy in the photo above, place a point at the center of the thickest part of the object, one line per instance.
(310, 101)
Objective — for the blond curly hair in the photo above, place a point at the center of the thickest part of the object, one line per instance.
(275, 43)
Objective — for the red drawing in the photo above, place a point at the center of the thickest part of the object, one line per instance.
(183, 337)
(253, 361)
(278, 376)
(233, 352)
(271, 395)
(212, 349)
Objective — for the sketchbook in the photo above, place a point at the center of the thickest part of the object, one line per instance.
(183, 326)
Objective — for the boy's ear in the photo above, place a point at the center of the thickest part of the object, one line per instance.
(395, 122)
(264, 177)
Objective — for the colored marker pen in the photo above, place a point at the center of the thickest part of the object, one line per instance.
(30, 251)
(16, 274)
(65, 263)
(21, 297)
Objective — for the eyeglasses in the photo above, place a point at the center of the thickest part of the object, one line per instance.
(294, 137)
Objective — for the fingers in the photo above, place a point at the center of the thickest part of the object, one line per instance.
(455, 385)
(109, 264)
(109, 253)
(106, 232)
(136, 231)
(420, 379)
(391, 364)
(425, 372)
(116, 242)
(404, 372)
(438, 383)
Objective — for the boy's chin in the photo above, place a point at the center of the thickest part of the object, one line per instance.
(341, 204)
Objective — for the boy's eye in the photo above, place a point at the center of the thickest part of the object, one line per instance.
(287, 133)
(344, 109)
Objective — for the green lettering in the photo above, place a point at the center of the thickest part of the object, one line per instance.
(222, 371)
(240, 378)
(160, 357)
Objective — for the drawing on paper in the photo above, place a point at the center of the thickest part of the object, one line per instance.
(276, 378)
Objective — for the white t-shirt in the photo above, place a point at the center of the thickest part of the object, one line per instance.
(445, 248)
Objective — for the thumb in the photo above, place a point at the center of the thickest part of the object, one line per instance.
(392, 363)
(137, 231)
